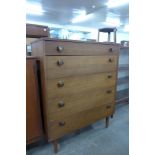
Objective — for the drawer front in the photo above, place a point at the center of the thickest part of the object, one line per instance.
(67, 105)
(78, 48)
(62, 87)
(63, 66)
(58, 128)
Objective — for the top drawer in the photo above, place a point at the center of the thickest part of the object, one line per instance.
(78, 48)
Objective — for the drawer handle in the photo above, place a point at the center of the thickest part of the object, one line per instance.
(111, 50)
(62, 123)
(60, 48)
(60, 62)
(109, 91)
(108, 107)
(109, 76)
(60, 83)
(110, 60)
(61, 104)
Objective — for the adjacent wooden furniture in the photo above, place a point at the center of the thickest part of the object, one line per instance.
(108, 30)
(28, 45)
(36, 31)
(33, 115)
(78, 83)
(123, 76)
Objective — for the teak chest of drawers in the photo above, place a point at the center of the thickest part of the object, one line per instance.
(78, 83)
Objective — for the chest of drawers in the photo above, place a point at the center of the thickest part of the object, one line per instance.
(78, 83)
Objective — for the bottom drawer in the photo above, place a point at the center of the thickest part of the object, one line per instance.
(58, 128)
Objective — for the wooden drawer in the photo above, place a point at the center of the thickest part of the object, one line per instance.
(58, 128)
(62, 87)
(79, 48)
(61, 107)
(63, 66)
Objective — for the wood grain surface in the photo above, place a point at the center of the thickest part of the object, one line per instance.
(79, 65)
(71, 123)
(33, 114)
(79, 48)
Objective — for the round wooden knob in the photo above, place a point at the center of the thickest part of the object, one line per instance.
(60, 48)
(61, 104)
(110, 49)
(108, 106)
(110, 60)
(109, 76)
(60, 83)
(62, 123)
(109, 91)
(60, 62)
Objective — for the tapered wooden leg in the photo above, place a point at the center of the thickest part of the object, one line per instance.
(78, 131)
(56, 146)
(112, 116)
(107, 122)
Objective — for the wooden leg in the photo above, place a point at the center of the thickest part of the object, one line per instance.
(107, 122)
(78, 131)
(56, 146)
(112, 116)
